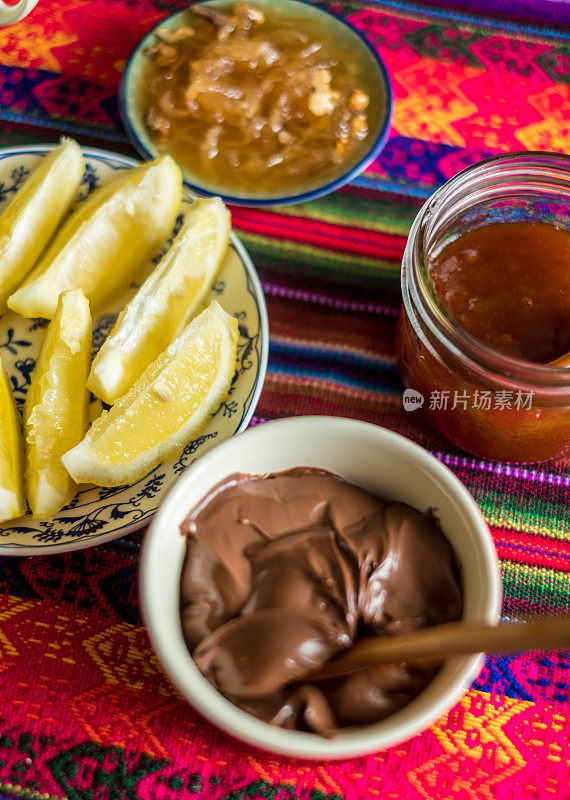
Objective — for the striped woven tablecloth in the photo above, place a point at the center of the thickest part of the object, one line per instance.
(85, 711)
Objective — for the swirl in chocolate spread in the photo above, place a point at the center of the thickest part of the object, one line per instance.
(283, 572)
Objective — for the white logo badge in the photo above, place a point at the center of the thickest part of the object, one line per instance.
(412, 400)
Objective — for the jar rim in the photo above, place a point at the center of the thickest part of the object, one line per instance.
(417, 288)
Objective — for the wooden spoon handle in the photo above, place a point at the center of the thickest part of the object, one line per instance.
(563, 361)
(451, 639)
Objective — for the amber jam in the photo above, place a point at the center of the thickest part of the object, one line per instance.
(509, 285)
(486, 308)
(261, 98)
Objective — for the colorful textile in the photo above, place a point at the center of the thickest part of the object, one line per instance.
(86, 712)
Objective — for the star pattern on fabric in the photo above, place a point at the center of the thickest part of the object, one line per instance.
(477, 755)
(128, 723)
(32, 42)
(553, 131)
(295, 773)
(500, 672)
(122, 653)
(543, 737)
(436, 88)
(12, 607)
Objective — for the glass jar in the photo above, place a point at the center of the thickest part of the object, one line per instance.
(490, 404)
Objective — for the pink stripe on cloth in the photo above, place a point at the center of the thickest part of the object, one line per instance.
(320, 234)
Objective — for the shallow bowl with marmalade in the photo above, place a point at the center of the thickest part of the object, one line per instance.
(261, 103)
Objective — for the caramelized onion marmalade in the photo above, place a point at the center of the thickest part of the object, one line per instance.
(255, 100)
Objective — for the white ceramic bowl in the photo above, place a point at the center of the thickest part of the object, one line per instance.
(381, 462)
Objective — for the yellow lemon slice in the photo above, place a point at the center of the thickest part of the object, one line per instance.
(165, 409)
(55, 411)
(29, 220)
(12, 500)
(167, 299)
(106, 240)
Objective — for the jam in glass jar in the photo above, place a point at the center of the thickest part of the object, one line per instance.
(485, 320)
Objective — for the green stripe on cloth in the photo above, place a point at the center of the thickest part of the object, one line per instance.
(289, 257)
(536, 584)
(378, 214)
(545, 518)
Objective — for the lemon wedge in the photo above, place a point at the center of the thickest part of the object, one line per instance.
(12, 500)
(167, 299)
(55, 411)
(165, 409)
(29, 220)
(106, 240)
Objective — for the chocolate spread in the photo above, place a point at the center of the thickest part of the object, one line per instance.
(283, 572)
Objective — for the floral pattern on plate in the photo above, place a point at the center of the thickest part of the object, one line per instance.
(97, 514)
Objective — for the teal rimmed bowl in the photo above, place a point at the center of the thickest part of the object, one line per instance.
(331, 27)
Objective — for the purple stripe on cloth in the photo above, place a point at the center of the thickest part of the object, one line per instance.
(504, 470)
(324, 300)
(552, 12)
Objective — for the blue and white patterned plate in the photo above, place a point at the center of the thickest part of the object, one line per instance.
(96, 514)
